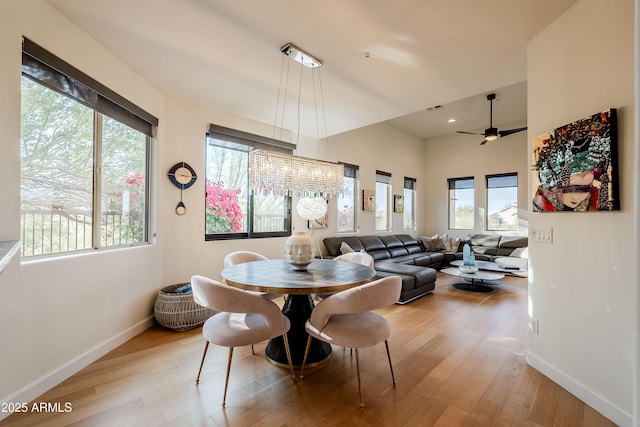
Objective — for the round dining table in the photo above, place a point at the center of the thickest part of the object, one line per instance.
(278, 276)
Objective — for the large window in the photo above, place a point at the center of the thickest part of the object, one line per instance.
(84, 161)
(461, 203)
(502, 202)
(232, 211)
(409, 208)
(347, 201)
(383, 201)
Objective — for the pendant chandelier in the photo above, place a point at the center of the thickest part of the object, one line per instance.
(278, 173)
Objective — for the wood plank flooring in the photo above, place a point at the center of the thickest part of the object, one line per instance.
(458, 357)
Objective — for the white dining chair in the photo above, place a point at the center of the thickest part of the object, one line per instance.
(243, 318)
(240, 257)
(345, 319)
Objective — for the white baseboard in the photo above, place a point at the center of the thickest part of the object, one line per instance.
(597, 402)
(41, 385)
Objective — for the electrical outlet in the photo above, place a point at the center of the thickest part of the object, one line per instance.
(542, 234)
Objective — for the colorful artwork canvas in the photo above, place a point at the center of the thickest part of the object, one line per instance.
(575, 167)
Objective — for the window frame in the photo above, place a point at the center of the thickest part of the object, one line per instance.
(385, 179)
(452, 186)
(410, 187)
(54, 74)
(252, 142)
(350, 172)
(488, 188)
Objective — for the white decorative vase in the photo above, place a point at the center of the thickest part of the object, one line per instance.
(299, 250)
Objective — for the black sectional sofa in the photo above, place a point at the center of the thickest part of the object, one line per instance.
(406, 256)
(398, 254)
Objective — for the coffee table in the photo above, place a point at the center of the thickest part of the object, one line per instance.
(473, 286)
(494, 266)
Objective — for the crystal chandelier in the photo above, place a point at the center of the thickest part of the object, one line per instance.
(279, 173)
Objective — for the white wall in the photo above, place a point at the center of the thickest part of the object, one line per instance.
(377, 147)
(456, 156)
(583, 288)
(56, 316)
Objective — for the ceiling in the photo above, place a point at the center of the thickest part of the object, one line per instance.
(383, 60)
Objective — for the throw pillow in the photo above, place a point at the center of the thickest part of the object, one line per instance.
(454, 244)
(345, 249)
(446, 243)
(432, 243)
(520, 252)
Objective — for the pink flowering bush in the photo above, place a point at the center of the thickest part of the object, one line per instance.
(223, 211)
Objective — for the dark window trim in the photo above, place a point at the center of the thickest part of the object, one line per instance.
(256, 141)
(350, 171)
(453, 183)
(383, 177)
(52, 72)
(410, 183)
(502, 175)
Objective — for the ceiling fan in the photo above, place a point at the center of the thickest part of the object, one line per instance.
(492, 133)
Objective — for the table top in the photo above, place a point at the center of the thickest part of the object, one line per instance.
(278, 276)
(479, 275)
(493, 266)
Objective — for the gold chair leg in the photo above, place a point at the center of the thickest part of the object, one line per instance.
(358, 371)
(206, 346)
(226, 381)
(393, 378)
(306, 353)
(288, 350)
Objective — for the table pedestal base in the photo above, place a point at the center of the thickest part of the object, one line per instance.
(472, 287)
(298, 309)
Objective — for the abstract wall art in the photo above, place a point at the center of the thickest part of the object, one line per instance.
(575, 166)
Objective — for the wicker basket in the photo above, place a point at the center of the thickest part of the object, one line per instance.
(179, 311)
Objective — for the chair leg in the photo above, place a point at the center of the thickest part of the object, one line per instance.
(252, 352)
(288, 350)
(306, 353)
(393, 378)
(206, 346)
(358, 371)
(226, 381)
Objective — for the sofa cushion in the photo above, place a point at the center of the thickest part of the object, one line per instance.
(391, 241)
(421, 275)
(333, 244)
(397, 252)
(372, 243)
(485, 240)
(513, 242)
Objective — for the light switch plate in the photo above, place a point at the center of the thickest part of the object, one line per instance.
(542, 234)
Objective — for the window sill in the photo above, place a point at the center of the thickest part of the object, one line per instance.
(8, 249)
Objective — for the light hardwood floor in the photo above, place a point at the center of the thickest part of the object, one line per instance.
(459, 360)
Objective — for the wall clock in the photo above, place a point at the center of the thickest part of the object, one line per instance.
(182, 176)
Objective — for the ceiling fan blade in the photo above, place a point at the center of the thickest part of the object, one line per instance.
(510, 131)
(470, 133)
(484, 141)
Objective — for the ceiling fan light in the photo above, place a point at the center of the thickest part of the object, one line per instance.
(491, 134)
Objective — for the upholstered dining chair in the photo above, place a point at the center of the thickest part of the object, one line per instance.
(243, 318)
(345, 319)
(240, 257)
